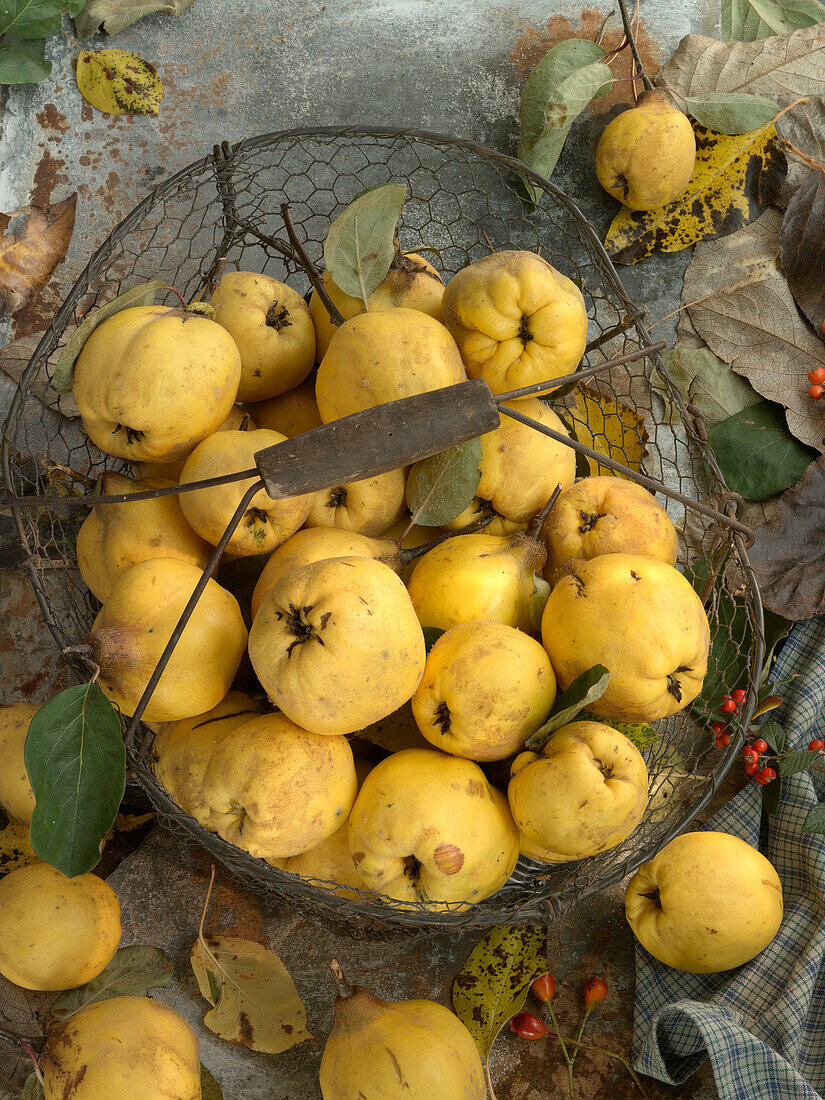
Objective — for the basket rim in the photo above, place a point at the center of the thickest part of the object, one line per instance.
(384, 916)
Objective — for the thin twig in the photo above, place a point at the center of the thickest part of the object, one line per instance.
(785, 144)
(309, 267)
(634, 49)
(611, 1054)
(538, 522)
(489, 1079)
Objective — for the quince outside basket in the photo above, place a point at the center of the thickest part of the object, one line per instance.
(462, 202)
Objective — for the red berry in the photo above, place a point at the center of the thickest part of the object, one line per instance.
(528, 1026)
(760, 746)
(752, 767)
(750, 755)
(738, 696)
(817, 376)
(543, 988)
(815, 392)
(765, 775)
(722, 740)
(728, 706)
(718, 727)
(816, 745)
(595, 991)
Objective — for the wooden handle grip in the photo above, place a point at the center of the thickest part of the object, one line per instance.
(377, 440)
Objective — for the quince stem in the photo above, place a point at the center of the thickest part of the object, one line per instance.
(610, 1054)
(567, 1057)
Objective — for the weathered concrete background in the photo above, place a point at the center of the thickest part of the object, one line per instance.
(231, 70)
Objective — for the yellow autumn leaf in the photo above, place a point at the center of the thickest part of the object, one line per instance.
(15, 846)
(119, 82)
(254, 1000)
(609, 427)
(734, 175)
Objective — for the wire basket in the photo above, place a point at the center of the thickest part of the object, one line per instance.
(463, 201)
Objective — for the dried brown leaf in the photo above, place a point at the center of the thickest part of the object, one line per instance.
(782, 67)
(744, 311)
(14, 358)
(29, 256)
(787, 551)
(802, 248)
(803, 127)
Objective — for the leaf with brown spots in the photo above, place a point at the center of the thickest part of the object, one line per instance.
(33, 242)
(735, 178)
(742, 307)
(492, 984)
(119, 82)
(609, 427)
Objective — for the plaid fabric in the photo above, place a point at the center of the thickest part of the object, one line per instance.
(763, 1025)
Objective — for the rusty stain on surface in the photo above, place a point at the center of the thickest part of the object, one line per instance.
(532, 44)
(51, 119)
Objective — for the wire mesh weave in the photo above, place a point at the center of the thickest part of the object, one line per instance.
(461, 203)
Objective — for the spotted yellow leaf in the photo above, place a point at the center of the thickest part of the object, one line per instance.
(119, 82)
(733, 181)
(609, 427)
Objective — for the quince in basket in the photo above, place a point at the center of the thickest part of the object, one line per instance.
(369, 506)
(643, 621)
(237, 420)
(411, 282)
(290, 413)
(16, 796)
(429, 828)
(337, 645)
(151, 382)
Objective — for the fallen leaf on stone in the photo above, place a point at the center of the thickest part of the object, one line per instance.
(111, 16)
(609, 427)
(210, 1089)
(706, 381)
(119, 82)
(802, 248)
(786, 553)
(133, 971)
(757, 454)
(32, 1089)
(23, 62)
(731, 112)
(743, 309)
(804, 128)
(735, 177)
(33, 242)
(747, 20)
(782, 67)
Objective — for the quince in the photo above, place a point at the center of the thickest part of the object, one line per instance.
(151, 382)
(585, 792)
(646, 155)
(137, 620)
(336, 644)
(114, 537)
(277, 790)
(429, 828)
(607, 515)
(516, 320)
(642, 620)
(126, 1048)
(271, 325)
(266, 523)
(16, 796)
(237, 420)
(368, 507)
(410, 282)
(486, 688)
(290, 413)
(378, 357)
(56, 932)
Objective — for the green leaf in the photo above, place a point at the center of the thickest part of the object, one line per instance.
(76, 763)
(30, 18)
(23, 62)
(706, 381)
(566, 103)
(440, 487)
(74, 7)
(747, 20)
(642, 734)
(731, 112)
(32, 1089)
(431, 635)
(143, 295)
(774, 734)
(772, 796)
(757, 454)
(815, 821)
(796, 762)
(111, 16)
(210, 1089)
(585, 689)
(131, 973)
(493, 983)
(359, 247)
(731, 638)
(545, 77)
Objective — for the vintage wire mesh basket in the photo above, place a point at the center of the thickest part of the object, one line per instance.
(463, 201)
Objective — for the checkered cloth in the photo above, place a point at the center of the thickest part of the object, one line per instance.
(763, 1025)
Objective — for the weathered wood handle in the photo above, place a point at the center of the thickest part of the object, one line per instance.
(377, 440)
